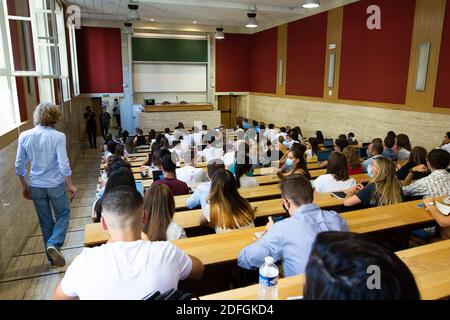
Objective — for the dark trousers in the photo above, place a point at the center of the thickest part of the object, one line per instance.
(92, 134)
(104, 131)
(119, 125)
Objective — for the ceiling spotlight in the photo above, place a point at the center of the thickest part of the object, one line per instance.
(152, 20)
(251, 21)
(133, 13)
(219, 33)
(311, 4)
(128, 27)
(194, 22)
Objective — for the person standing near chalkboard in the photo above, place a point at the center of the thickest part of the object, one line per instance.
(91, 129)
(116, 112)
(105, 119)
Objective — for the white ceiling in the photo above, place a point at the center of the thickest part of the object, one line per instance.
(209, 13)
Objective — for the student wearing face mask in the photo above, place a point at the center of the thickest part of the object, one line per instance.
(374, 151)
(294, 163)
(290, 240)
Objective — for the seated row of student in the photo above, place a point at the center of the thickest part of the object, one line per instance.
(188, 173)
(213, 150)
(319, 136)
(445, 145)
(226, 210)
(417, 156)
(290, 240)
(127, 267)
(270, 154)
(294, 163)
(437, 183)
(140, 139)
(389, 150)
(353, 161)
(383, 189)
(337, 176)
(170, 178)
(374, 150)
(243, 180)
(338, 265)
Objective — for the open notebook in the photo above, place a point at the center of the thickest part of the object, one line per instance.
(444, 209)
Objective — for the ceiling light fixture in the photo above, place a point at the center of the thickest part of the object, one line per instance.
(219, 33)
(128, 27)
(133, 13)
(251, 14)
(311, 4)
(194, 22)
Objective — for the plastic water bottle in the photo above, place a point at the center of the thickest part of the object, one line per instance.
(268, 280)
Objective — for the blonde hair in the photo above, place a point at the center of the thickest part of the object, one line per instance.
(47, 114)
(388, 187)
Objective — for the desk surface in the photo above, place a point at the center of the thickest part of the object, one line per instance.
(429, 264)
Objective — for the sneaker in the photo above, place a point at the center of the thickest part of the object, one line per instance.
(56, 258)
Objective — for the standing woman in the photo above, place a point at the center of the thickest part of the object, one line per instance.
(45, 148)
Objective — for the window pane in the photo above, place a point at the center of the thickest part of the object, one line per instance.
(20, 8)
(42, 4)
(8, 115)
(49, 65)
(2, 49)
(44, 25)
(22, 45)
(62, 45)
(46, 90)
(66, 89)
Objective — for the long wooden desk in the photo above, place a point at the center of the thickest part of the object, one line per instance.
(95, 235)
(178, 107)
(430, 265)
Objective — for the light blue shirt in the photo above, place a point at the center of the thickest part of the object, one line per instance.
(290, 240)
(366, 163)
(45, 148)
(200, 196)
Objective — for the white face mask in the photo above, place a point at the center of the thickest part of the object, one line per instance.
(369, 171)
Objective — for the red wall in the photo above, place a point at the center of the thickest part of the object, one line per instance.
(442, 97)
(307, 41)
(263, 61)
(99, 53)
(374, 63)
(232, 63)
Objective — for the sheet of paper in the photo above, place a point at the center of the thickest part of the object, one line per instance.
(445, 210)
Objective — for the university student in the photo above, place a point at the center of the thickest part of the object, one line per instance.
(418, 156)
(442, 220)
(337, 177)
(242, 179)
(159, 206)
(374, 151)
(188, 172)
(45, 148)
(226, 210)
(170, 179)
(290, 240)
(151, 137)
(229, 155)
(403, 147)
(270, 133)
(446, 142)
(384, 188)
(388, 151)
(319, 137)
(313, 148)
(91, 127)
(295, 163)
(341, 143)
(105, 120)
(126, 267)
(170, 138)
(211, 152)
(351, 139)
(200, 195)
(437, 183)
(338, 270)
(353, 162)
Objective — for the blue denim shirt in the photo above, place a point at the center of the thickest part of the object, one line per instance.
(45, 148)
(200, 196)
(290, 240)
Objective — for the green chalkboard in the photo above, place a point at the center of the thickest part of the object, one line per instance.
(172, 50)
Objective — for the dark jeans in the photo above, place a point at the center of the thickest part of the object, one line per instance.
(119, 124)
(104, 131)
(92, 134)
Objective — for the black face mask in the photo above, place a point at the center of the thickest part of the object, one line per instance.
(285, 209)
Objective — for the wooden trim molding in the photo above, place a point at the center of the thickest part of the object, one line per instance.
(282, 55)
(428, 26)
(334, 36)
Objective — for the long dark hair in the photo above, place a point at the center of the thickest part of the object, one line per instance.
(403, 142)
(298, 150)
(337, 166)
(320, 137)
(241, 169)
(314, 146)
(338, 270)
(159, 205)
(418, 156)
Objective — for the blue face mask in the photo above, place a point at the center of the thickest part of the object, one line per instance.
(369, 171)
(286, 143)
(289, 162)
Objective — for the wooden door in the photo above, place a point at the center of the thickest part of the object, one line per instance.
(228, 108)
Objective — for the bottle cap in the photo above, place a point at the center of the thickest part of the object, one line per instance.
(268, 260)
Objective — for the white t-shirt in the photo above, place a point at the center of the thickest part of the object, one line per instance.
(248, 182)
(175, 232)
(309, 154)
(191, 175)
(446, 147)
(126, 270)
(211, 153)
(170, 138)
(327, 183)
(228, 159)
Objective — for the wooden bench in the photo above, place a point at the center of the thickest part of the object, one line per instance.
(95, 235)
(429, 264)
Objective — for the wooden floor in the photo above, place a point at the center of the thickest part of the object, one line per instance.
(28, 275)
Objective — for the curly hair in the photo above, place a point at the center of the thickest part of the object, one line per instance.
(47, 115)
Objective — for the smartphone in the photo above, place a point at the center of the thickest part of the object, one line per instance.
(421, 205)
(339, 195)
(277, 219)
